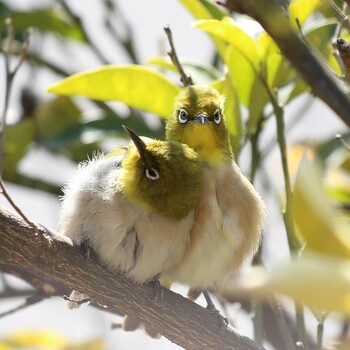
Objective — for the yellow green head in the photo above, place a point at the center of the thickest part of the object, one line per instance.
(163, 177)
(198, 120)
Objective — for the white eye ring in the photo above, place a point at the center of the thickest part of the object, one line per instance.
(217, 116)
(183, 116)
(152, 174)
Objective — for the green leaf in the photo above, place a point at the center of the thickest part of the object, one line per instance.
(55, 116)
(241, 72)
(249, 87)
(277, 70)
(199, 72)
(242, 60)
(326, 148)
(257, 101)
(301, 10)
(97, 130)
(204, 9)
(201, 10)
(214, 9)
(319, 281)
(197, 9)
(315, 218)
(46, 21)
(232, 111)
(137, 86)
(320, 35)
(289, 92)
(232, 34)
(17, 141)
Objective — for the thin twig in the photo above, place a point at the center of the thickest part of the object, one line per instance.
(78, 22)
(342, 18)
(334, 41)
(17, 293)
(8, 49)
(115, 15)
(13, 204)
(34, 299)
(10, 75)
(297, 21)
(343, 142)
(185, 79)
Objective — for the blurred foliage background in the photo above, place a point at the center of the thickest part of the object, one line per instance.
(260, 84)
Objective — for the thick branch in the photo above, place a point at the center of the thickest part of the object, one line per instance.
(54, 256)
(323, 83)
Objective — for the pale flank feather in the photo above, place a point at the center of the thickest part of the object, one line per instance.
(230, 214)
(229, 219)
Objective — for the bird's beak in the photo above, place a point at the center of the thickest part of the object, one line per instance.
(201, 119)
(140, 145)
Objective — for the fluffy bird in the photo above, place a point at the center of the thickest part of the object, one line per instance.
(134, 207)
(230, 214)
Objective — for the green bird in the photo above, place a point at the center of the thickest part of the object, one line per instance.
(134, 207)
(229, 214)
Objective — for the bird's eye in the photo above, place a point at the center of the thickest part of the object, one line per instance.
(217, 116)
(152, 174)
(183, 116)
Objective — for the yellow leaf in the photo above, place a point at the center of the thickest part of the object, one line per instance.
(315, 218)
(95, 344)
(301, 10)
(319, 281)
(45, 339)
(137, 86)
(4, 346)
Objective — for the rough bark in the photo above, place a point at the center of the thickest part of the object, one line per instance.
(54, 257)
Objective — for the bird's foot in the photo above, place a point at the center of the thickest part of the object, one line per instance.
(158, 290)
(211, 307)
(86, 247)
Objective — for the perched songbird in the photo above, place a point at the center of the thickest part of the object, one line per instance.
(135, 206)
(230, 214)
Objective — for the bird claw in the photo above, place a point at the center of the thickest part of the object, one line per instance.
(86, 247)
(223, 321)
(158, 290)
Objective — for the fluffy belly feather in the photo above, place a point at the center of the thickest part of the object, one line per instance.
(123, 235)
(228, 223)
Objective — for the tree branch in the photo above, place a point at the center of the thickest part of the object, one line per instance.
(29, 301)
(323, 83)
(54, 256)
